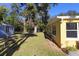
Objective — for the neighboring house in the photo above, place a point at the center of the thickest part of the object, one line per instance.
(6, 30)
(66, 31)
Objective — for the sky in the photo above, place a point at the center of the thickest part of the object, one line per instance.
(63, 8)
(60, 8)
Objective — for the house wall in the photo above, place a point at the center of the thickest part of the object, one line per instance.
(7, 29)
(67, 42)
(11, 30)
(57, 38)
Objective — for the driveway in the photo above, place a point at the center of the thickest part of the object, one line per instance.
(74, 53)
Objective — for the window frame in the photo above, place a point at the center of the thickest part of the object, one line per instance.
(77, 25)
(74, 28)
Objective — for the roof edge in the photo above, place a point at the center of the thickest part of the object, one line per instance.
(63, 17)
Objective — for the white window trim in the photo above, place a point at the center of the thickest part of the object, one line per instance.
(75, 38)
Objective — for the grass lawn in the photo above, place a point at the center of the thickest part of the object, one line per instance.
(36, 46)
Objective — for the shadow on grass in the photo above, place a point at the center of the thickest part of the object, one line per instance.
(8, 51)
(51, 38)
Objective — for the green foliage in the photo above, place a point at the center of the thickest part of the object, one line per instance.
(69, 13)
(71, 48)
(3, 13)
(17, 25)
(30, 11)
(13, 17)
(41, 25)
(29, 28)
(48, 27)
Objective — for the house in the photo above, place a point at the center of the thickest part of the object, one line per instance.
(66, 31)
(6, 30)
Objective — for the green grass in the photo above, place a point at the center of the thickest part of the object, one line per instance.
(71, 49)
(36, 46)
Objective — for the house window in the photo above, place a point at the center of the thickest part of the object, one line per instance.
(71, 33)
(71, 30)
(7, 29)
(71, 26)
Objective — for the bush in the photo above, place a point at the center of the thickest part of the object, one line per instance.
(29, 28)
(71, 48)
(18, 28)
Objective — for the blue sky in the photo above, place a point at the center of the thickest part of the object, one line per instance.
(60, 8)
(64, 7)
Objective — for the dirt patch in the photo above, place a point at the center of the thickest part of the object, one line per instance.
(54, 47)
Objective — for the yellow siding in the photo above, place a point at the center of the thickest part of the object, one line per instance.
(63, 34)
(61, 39)
(57, 38)
(66, 42)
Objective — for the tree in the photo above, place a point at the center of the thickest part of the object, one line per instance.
(3, 13)
(32, 11)
(13, 17)
(17, 24)
(43, 9)
(14, 13)
(41, 25)
(69, 13)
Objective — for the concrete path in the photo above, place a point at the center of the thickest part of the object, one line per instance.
(74, 53)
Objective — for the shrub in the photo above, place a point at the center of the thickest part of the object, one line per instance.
(29, 28)
(71, 48)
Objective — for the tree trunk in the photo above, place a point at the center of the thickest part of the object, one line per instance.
(25, 27)
(35, 29)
